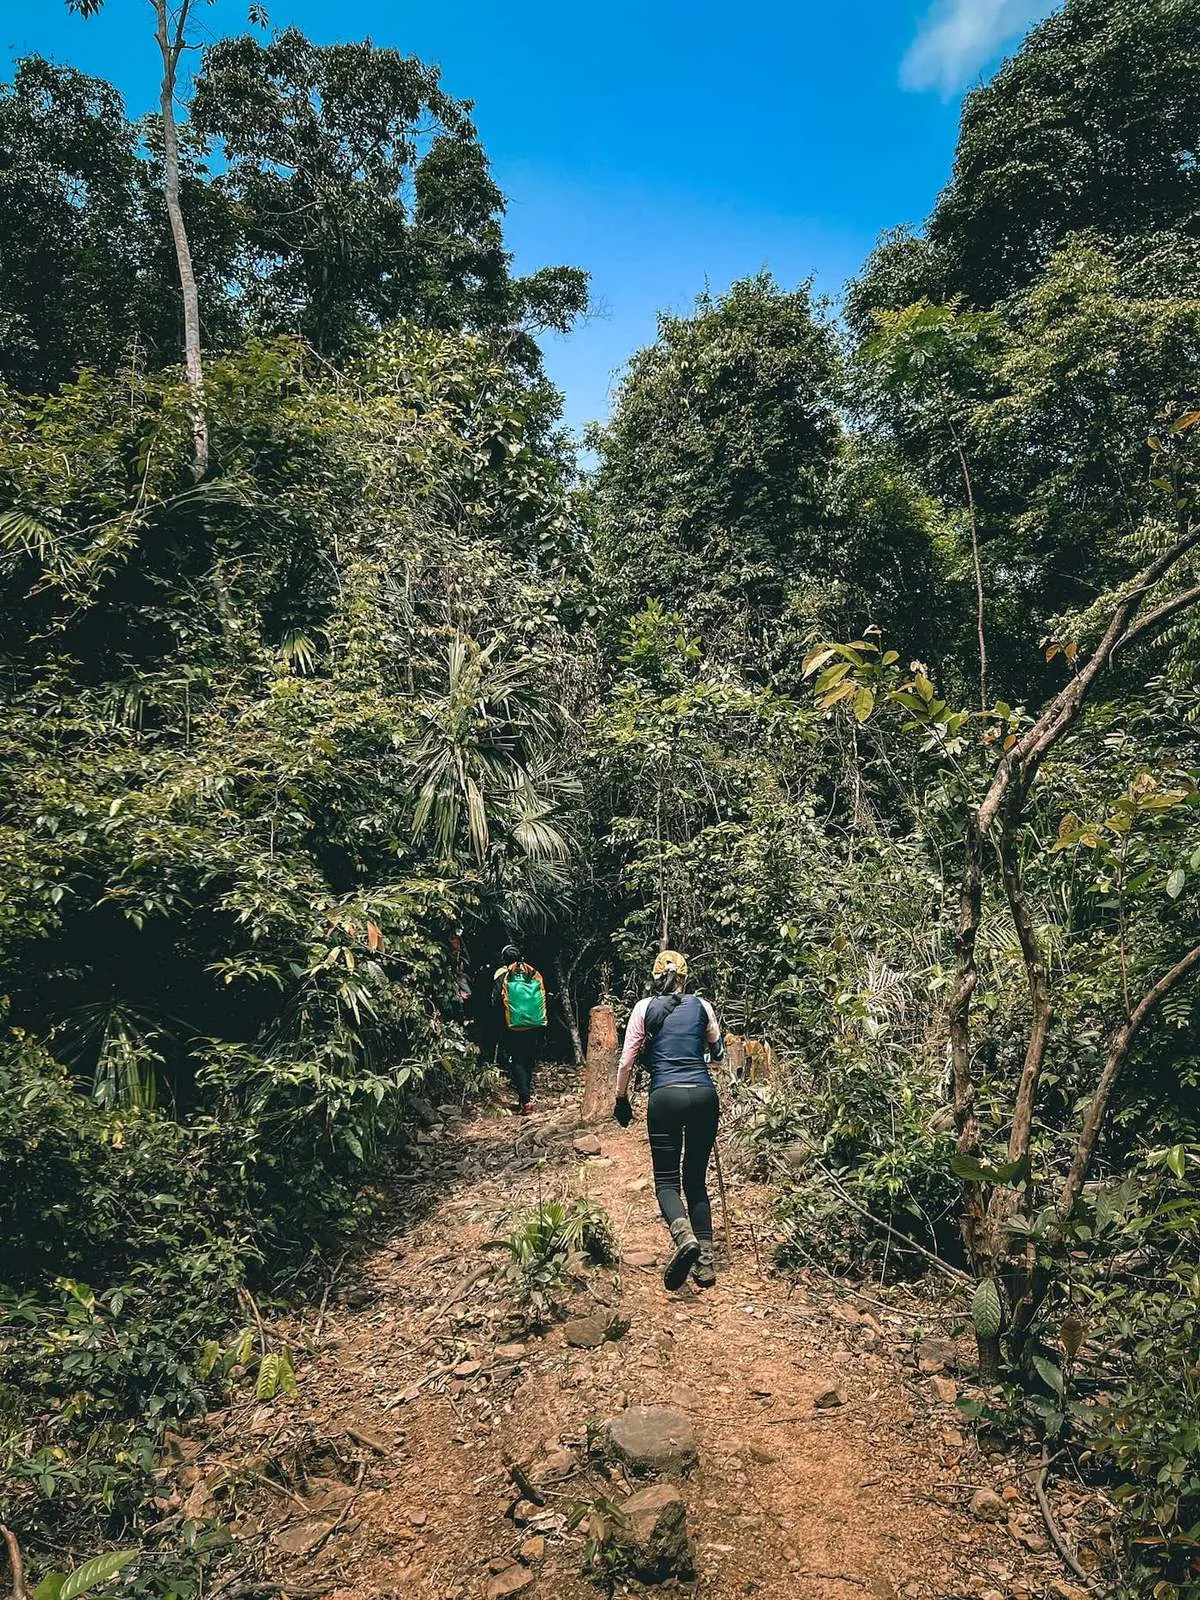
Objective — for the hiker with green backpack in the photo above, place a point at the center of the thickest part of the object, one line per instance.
(520, 993)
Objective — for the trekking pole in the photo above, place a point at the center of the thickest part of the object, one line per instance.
(724, 1198)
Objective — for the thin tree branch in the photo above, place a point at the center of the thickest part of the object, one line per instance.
(1118, 1053)
(1035, 972)
(1160, 614)
(983, 661)
(1026, 756)
(965, 1120)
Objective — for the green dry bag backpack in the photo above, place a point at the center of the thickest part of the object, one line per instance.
(524, 998)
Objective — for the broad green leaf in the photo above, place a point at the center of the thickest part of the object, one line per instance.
(1175, 883)
(94, 1572)
(1050, 1373)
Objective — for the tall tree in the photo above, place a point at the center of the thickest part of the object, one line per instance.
(170, 33)
(367, 196)
(715, 473)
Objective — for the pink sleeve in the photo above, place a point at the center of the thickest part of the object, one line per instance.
(635, 1036)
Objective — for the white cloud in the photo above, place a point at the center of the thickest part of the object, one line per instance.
(960, 36)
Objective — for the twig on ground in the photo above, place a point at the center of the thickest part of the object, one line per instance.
(1052, 1528)
(16, 1562)
(368, 1443)
(724, 1199)
(831, 1577)
(281, 1489)
(346, 1509)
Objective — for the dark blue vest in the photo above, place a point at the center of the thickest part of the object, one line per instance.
(676, 1054)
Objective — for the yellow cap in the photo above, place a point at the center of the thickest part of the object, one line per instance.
(668, 961)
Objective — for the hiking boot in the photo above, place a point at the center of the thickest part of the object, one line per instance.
(687, 1250)
(703, 1274)
(526, 1108)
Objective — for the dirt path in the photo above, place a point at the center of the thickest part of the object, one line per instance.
(422, 1390)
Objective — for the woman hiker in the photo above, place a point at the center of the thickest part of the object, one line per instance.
(677, 1034)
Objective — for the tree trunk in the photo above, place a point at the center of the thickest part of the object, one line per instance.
(567, 1004)
(170, 47)
(967, 976)
(603, 1058)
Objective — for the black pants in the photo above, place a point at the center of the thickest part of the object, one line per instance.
(520, 1053)
(682, 1119)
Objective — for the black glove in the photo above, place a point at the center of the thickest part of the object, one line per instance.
(622, 1110)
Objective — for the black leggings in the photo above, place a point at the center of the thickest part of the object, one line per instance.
(521, 1050)
(682, 1119)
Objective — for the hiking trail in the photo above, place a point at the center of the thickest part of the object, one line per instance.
(831, 1459)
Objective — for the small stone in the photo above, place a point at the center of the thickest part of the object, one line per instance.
(653, 1535)
(640, 1258)
(1010, 1492)
(589, 1333)
(987, 1506)
(828, 1399)
(937, 1355)
(943, 1390)
(509, 1352)
(586, 1144)
(650, 1440)
(558, 1465)
(418, 1518)
(1067, 1591)
(513, 1580)
(468, 1369)
(533, 1549)
(298, 1538)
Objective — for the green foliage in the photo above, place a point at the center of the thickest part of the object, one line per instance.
(546, 1242)
(328, 191)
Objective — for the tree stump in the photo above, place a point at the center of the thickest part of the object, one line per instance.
(600, 1069)
(735, 1055)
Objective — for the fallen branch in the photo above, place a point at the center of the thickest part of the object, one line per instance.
(1056, 1538)
(16, 1562)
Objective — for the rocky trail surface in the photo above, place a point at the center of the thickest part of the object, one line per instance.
(768, 1438)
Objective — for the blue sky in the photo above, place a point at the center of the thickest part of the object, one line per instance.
(666, 147)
